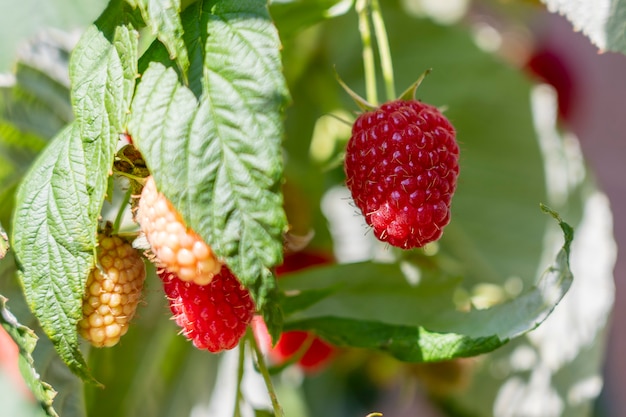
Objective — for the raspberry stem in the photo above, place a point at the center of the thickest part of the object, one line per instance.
(383, 49)
(278, 410)
(362, 8)
(240, 370)
(120, 213)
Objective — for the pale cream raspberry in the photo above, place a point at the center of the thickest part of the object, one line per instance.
(177, 248)
(112, 293)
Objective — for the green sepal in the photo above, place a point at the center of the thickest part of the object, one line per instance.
(409, 93)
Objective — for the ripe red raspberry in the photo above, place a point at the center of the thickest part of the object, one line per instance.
(112, 293)
(213, 316)
(176, 247)
(401, 167)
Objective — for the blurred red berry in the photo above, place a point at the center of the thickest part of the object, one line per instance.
(549, 67)
(315, 357)
(319, 352)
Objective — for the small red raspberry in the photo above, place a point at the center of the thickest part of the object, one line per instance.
(176, 247)
(401, 167)
(213, 316)
(112, 293)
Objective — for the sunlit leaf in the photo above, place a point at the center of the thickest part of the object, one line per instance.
(217, 155)
(601, 20)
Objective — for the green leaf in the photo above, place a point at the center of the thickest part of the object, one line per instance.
(601, 20)
(243, 101)
(103, 70)
(54, 241)
(37, 102)
(218, 158)
(374, 306)
(58, 204)
(26, 341)
(162, 16)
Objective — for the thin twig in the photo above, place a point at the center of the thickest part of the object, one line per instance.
(278, 410)
(383, 49)
(240, 370)
(362, 8)
(121, 211)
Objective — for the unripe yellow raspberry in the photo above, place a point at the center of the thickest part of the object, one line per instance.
(177, 248)
(112, 293)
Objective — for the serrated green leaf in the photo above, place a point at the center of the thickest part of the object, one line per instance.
(601, 20)
(162, 16)
(54, 241)
(26, 341)
(243, 98)
(103, 70)
(37, 102)
(58, 204)
(218, 159)
(373, 306)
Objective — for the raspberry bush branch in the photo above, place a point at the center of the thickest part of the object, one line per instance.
(240, 371)
(369, 65)
(370, 10)
(122, 211)
(384, 51)
(263, 369)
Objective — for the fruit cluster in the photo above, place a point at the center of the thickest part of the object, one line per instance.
(208, 302)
